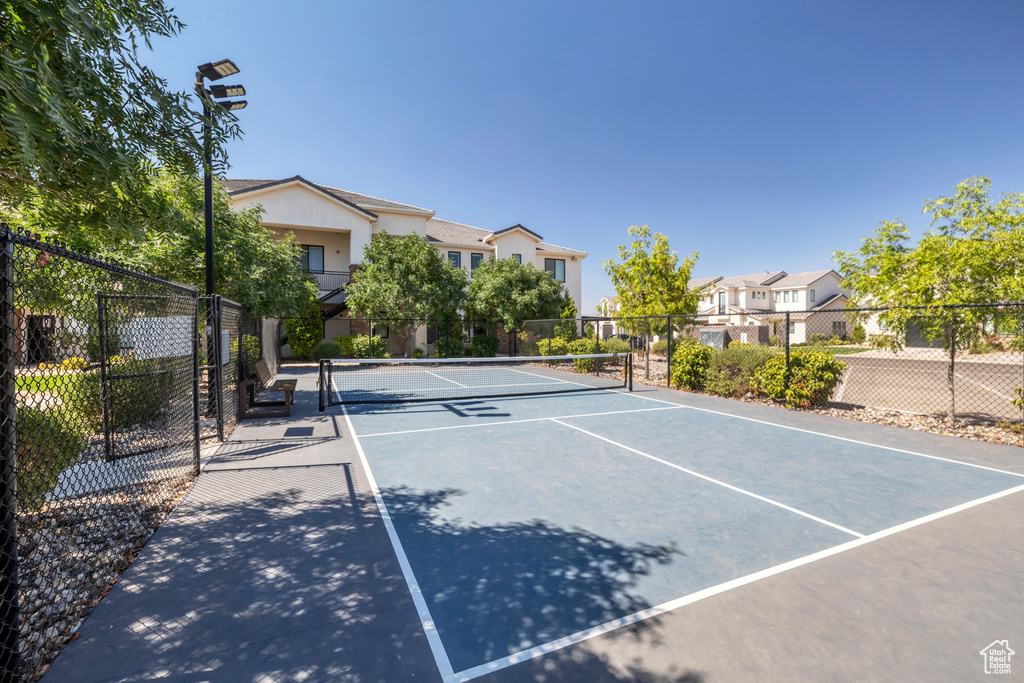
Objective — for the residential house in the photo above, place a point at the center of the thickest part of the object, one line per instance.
(760, 298)
(334, 225)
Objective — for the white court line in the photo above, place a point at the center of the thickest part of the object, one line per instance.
(433, 639)
(446, 379)
(830, 436)
(988, 389)
(589, 633)
(714, 481)
(512, 422)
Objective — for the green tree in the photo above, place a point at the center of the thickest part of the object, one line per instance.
(650, 281)
(252, 265)
(569, 330)
(971, 254)
(81, 117)
(508, 293)
(403, 278)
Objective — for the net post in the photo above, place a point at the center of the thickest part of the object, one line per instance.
(10, 658)
(785, 376)
(629, 372)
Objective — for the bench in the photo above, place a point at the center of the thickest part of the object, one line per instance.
(247, 394)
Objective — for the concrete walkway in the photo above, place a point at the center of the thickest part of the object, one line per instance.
(276, 566)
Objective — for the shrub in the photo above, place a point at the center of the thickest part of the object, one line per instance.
(484, 345)
(117, 360)
(529, 348)
(836, 341)
(660, 348)
(304, 334)
(859, 335)
(137, 400)
(327, 349)
(92, 343)
(418, 352)
(585, 347)
(451, 342)
(737, 344)
(345, 344)
(773, 340)
(553, 347)
(250, 347)
(730, 371)
(616, 345)
(46, 444)
(366, 346)
(690, 365)
(813, 378)
(76, 363)
(816, 339)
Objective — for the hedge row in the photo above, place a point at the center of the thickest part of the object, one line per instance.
(813, 375)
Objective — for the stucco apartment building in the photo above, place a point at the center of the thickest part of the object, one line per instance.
(757, 299)
(334, 226)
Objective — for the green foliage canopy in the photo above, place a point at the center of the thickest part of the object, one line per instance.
(404, 278)
(252, 265)
(82, 118)
(971, 254)
(508, 293)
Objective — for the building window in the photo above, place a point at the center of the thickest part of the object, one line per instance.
(839, 328)
(456, 258)
(518, 258)
(792, 328)
(312, 258)
(776, 297)
(812, 296)
(796, 296)
(379, 330)
(555, 266)
(475, 260)
(785, 297)
(432, 333)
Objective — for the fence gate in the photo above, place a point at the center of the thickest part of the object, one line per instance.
(148, 352)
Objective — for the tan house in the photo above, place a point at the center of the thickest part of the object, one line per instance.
(758, 299)
(334, 226)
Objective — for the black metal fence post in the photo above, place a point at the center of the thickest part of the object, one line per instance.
(10, 659)
(105, 402)
(668, 350)
(196, 341)
(785, 376)
(217, 362)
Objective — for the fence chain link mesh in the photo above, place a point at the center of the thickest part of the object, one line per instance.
(950, 369)
(109, 382)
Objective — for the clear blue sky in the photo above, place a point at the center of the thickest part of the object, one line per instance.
(762, 135)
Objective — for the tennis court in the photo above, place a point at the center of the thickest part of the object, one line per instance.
(526, 524)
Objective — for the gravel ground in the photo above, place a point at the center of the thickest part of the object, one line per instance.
(965, 428)
(72, 551)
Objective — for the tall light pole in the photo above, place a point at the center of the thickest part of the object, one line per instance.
(214, 72)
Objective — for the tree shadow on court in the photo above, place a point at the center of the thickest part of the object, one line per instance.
(288, 574)
(494, 590)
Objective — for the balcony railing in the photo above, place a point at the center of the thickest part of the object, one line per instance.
(329, 281)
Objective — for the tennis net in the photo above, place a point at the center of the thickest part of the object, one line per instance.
(378, 380)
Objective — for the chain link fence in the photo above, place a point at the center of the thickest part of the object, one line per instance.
(954, 369)
(444, 337)
(108, 378)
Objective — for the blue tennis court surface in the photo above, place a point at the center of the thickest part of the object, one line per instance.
(527, 524)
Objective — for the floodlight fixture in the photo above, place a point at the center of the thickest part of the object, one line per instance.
(232, 105)
(214, 71)
(221, 91)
